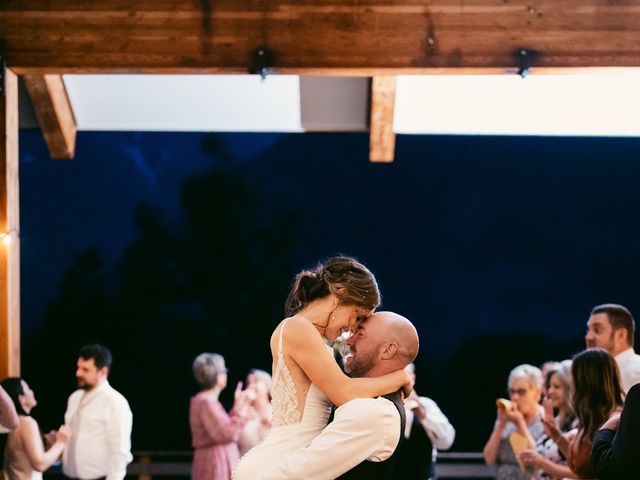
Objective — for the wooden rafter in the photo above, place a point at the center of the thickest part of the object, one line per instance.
(54, 113)
(9, 228)
(336, 37)
(382, 140)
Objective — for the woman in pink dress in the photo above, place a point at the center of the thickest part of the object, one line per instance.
(214, 433)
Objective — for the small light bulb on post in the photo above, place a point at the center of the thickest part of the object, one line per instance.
(6, 237)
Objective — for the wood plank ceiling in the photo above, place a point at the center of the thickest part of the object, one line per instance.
(367, 38)
(306, 37)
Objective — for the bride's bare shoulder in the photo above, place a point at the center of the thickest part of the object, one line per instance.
(297, 327)
(291, 322)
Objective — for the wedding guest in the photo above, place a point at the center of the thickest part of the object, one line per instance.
(258, 420)
(557, 407)
(25, 457)
(545, 368)
(613, 328)
(614, 455)
(8, 414)
(8, 421)
(100, 420)
(523, 416)
(427, 430)
(214, 433)
(597, 395)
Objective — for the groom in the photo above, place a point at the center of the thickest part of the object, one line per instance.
(361, 440)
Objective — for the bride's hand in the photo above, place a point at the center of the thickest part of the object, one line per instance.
(407, 386)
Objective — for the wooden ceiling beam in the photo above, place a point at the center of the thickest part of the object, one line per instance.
(335, 37)
(382, 138)
(54, 114)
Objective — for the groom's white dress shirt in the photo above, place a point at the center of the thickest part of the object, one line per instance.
(362, 429)
(100, 442)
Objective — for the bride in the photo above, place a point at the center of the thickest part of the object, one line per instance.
(323, 304)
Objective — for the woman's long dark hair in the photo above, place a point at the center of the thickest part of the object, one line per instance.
(13, 387)
(596, 391)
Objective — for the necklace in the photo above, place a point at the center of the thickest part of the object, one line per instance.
(329, 318)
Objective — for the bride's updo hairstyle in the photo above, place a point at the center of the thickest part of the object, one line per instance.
(350, 281)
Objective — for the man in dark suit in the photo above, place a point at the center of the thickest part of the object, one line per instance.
(615, 453)
(361, 440)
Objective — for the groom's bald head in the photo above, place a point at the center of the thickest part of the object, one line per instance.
(383, 343)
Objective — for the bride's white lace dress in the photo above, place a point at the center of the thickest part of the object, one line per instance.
(291, 429)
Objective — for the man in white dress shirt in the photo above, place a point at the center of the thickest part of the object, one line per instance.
(364, 431)
(100, 421)
(612, 327)
(427, 430)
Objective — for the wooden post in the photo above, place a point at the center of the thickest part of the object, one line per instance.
(382, 139)
(144, 460)
(9, 227)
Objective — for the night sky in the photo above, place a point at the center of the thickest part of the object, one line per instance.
(475, 239)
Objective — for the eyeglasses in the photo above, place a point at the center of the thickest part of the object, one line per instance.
(521, 392)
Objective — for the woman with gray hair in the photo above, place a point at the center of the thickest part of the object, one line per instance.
(214, 433)
(518, 424)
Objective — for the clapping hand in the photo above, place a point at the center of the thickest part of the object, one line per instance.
(547, 405)
(241, 399)
(549, 422)
(413, 402)
(413, 395)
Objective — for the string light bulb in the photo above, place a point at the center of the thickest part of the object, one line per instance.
(7, 237)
